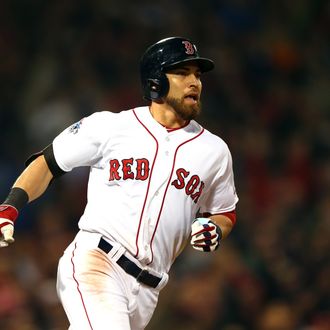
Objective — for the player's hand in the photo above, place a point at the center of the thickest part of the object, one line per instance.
(8, 215)
(205, 235)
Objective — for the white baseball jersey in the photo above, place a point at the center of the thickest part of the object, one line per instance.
(146, 184)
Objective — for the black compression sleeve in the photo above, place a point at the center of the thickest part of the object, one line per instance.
(48, 153)
(51, 162)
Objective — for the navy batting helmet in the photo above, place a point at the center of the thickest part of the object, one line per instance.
(163, 56)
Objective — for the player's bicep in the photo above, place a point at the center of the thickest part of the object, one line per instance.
(49, 159)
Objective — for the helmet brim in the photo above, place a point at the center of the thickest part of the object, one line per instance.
(203, 63)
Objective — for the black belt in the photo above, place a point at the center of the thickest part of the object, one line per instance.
(141, 275)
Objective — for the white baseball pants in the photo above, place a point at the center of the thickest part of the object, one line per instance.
(97, 294)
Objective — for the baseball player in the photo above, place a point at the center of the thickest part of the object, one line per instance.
(157, 180)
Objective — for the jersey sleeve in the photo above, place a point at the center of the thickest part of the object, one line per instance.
(81, 144)
(222, 196)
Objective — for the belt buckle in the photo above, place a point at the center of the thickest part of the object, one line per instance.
(142, 275)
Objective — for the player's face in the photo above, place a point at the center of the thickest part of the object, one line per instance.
(185, 91)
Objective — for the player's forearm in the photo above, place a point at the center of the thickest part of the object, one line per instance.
(35, 178)
(225, 224)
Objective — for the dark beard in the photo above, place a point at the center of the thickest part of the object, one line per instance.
(185, 112)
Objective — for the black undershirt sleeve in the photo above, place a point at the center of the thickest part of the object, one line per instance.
(48, 153)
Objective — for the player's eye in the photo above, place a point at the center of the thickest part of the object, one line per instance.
(181, 72)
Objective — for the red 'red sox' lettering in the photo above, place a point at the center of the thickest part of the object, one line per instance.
(129, 168)
(193, 186)
(142, 169)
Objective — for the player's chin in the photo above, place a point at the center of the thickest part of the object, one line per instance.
(191, 111)
(185, 107)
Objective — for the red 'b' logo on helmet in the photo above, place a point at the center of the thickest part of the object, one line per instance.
(190, 50)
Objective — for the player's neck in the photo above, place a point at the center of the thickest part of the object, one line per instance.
(166, 116)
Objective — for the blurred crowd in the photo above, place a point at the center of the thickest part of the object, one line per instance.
(268, 98)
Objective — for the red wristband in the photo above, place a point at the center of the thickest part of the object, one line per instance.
(231, 215)
(8, 212)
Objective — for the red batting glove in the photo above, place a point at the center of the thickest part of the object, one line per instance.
(8, 215)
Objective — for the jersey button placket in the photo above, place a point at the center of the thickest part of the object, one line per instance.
(167, 139)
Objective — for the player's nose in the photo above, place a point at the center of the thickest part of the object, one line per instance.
(193, 80)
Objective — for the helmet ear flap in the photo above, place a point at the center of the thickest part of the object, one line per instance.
(153, 85)
(158, 87)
